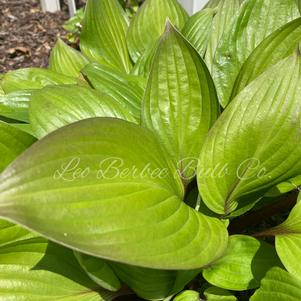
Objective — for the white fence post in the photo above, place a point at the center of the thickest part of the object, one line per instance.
(192, 6)
(72, 7)
(50, 5)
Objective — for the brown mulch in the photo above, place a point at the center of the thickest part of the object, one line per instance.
(27, 34)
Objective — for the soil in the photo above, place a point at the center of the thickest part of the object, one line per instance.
(27, 34)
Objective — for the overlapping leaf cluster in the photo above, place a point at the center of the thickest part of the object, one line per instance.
(124, 164)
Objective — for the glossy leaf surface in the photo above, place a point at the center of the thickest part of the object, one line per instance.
(54, 107)
(149, 22)
(114, 179)
(103, 36)
(127, 90)
(36, 270)
(277, 46)
(12, 143)
(260, 128)
(66, 60)
(248, 31)
(180, 102)
(278, 285)
(198, 28)
(244, 264)
(33, 78)
(14, 105)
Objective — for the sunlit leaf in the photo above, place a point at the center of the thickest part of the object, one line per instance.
(127, 90)
(106, 187)
(66, 60)
(278, 285)
(33, 78)
(226, 13)
(256, 20)
(36, 270)
(244, 264)
(14, 105)
(55, 107)
(218, 294)
(180, 103)
(103, 37)
(255, 144)
(188, 296)
(149, 22)
(198, 28)
(273, 49)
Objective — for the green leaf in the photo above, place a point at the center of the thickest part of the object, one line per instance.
(54, 107)
(188, 296)
(198, 28)
(218, 294)
(66, 60)
(244, 264)
(153, 284)
(127, 90)
(114, 179)
(33, 78)
(250, 28)
(145, 61)
(180, 103)
(288, 241)
(12, 143)
(278, 285)
(37, 270)
(99, 271)
(256, 141)
(14, 105)
(24, 127)
(149, 22)
(226, 13)
(103, 37)
(277, 46)
(10, 233)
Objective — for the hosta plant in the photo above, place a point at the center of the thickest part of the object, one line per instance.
(160, 162)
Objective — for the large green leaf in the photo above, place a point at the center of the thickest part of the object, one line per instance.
(105, 187)
(198, 28)
(55, 107)
(180, 103)
(255, 144)
(149, 22)
(12, 143)
(14, 105)
(33, 78)
(273, 49)
(99, 271)
(188, 296)
(36, 270)
(226, 13)
(218, 294)
(103, 35)
(256, 20)
(127, 90)
(66, 60)
(278, 285)
(244, 264)
(153, 284)
(10, 233)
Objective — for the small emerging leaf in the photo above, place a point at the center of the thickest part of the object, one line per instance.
(218, 294)
(188, 296)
